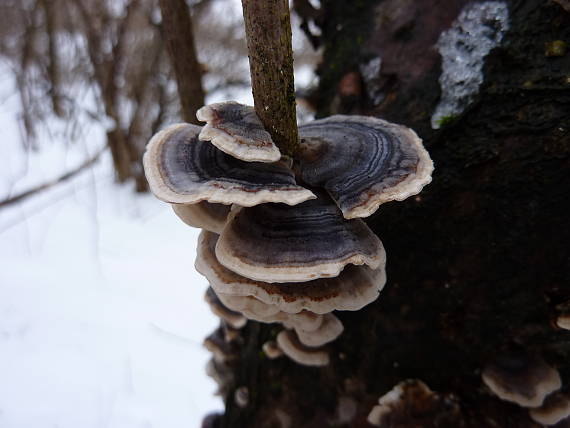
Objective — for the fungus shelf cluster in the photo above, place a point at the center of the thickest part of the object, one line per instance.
(529, 382)
(283, 240)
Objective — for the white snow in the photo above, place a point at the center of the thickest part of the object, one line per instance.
(101, 311)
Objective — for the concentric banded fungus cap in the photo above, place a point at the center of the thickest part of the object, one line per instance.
(290, 345)
(521, 379)
(555, 408)
(236, 130)
(354, 288)
(279, 243)
(329, 330)
(181, 169)
(363, 162)
(203, 215)
(233, 318)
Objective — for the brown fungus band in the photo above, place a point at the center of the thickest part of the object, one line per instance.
(362, 162)
(182, 169)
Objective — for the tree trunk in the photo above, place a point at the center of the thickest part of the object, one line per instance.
(478, 263)
(177, 27)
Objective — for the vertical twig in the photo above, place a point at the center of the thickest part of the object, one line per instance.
(268, 33)
(177, 27)
(53, 58)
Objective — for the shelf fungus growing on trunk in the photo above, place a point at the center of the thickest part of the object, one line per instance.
(236, 130)
(277, 243)
(521, 379)
(203, 215)
(411, 403)
(182, 169)
(232, 318)
(555, 409)
(292, 249)
(363, 162)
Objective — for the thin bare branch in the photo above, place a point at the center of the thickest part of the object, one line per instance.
(268, 33)
(70, 174)
(177, 27)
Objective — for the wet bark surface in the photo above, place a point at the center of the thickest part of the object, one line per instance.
(478, 264)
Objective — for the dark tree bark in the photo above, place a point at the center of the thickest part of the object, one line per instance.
(478, 264)
(177, 27)
(268, 32)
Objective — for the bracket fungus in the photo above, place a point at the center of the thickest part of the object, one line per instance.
(236, 130)
(271, 349)
(411, 403)
(563, 321)
(556, 407)
(363, 162)
(276, 243)
(329, 330)
(232, 318)
(521, 379)
(182, 169)
(222, 350)
(292, 249)
(302, 354)
(354, 288)
(203, 215)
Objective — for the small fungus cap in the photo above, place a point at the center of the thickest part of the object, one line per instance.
(233, 318)
(411, 403)
(329, 330)
(294, 349)
(555, 408)
(222, 350)
(203, 215)
(362, 161)
(521, 379)
(257, 310)
(563, 321)
(272, 349)
(354, 288)
(279, 243)
(250, 307)
(181, 169)
(236, 130)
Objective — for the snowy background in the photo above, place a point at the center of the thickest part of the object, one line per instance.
(102, 315)
(101, 312)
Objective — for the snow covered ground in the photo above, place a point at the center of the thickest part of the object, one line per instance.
(101, 311)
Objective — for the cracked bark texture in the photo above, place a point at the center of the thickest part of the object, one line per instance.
(477, 264)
